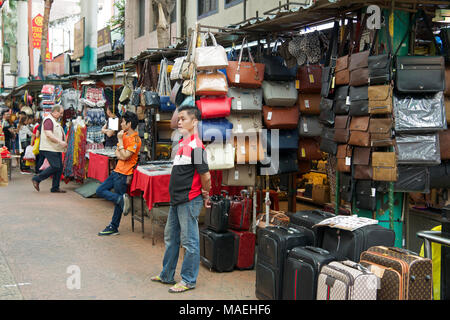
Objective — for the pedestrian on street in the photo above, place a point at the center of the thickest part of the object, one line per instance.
(190, 183)
(127, 153)
(52, 145)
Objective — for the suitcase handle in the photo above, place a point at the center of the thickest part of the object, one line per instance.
(403, 251)
(317, 250)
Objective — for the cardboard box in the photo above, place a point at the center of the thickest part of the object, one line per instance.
(321, 193)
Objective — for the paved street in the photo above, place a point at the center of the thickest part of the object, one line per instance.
(49, 249)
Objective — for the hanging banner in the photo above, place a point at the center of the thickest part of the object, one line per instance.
(78, 51)
(36, 35)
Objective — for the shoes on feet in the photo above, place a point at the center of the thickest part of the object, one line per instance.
(35, 185)
(109, 231)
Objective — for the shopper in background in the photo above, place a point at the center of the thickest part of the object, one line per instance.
(110, 135)
(8, 129)
(128, 147)
(24, 133)
(190, 183)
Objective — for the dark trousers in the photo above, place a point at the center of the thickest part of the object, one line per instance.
(55, 169)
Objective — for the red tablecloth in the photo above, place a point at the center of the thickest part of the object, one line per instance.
(98, 167)
(155, 189)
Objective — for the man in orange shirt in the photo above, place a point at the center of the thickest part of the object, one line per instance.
(127, 154)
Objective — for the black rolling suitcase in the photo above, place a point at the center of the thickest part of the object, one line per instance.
(345, 244)
(301, 271)
(273, 243)
(308, 218)
(216, 217)
(217, 250)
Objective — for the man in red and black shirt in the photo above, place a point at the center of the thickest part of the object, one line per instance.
(189, 187)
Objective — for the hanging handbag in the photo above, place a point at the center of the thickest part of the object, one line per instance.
(287, 139)
(214, 106)
(341, 101)
(384, 166)
(358, 64)
(175, 73)
(309, 149)
(342, 130)
(327, 143)
(176, 95)
(249, 149)
(245, 74)
(381, 134)
(210, 57)
(412, 179)
(342, 74)
(215, 129)
(151, 99)
(344, 158)
(220, 156)
(245, 100)
(309, 78)
(359, 132)
(330, 63)
(365, 192)
(380, 66)
(309, 103)
(279, 93)
(166, 105)
(346, 187)
(380, 99)
(359, 101)
(240, 175)
(211, 83)
(280, 118)
(447, 81)
(275, 69)
(310, 126)
(362, 170)
(440, 176)
(245, 123)
(418, 149)
(327, 115)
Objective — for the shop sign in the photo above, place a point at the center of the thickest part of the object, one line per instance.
(78, 51)
(104, 40)
(36, 35)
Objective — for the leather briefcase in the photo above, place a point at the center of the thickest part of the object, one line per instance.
(309, 77)
(359, 132)
(327, 143)
(380, 99)
(366, 195)
(342, 130)
(380, 130)
(359, 101)
(444, 143)
(279, 93)
(361, 163)
(309, 103)
(420, 74)
(380, 66)
(384, 166)
(309, 149)
(281, 117)
(359, 68)
(420, 149)
(344, 157)
(447, 108)
(211, 84)
(341, 103)
(245, 100)
(240, 175)
(326, 116)
(310, 126)
(447, 81)
(342, 74)
(412, 179)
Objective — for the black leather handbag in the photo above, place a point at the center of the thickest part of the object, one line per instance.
(136, 97)
(152, 99)
(380, 66)
(347, 186)
(365, 192)
(275, 68)
(340, 100)
(412, 179)
(359, 101)
(326, 112)
(327, 143)
(440, 175)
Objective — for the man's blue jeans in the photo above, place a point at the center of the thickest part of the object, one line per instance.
(118, 182)
(55, 169)
(182, 228)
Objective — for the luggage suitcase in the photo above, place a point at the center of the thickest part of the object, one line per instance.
(346, 280)
(216, 217)
(217, 250)
(241, 209)
(301, 270)
(308, 218)
(408, 276)
(273, 243)
(244, 249)
(349, 245)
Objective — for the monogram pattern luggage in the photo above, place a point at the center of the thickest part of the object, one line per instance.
(273, 243)
(217, 250)
(302, 268)
(244, 249)
(409, 278)
(346, 280)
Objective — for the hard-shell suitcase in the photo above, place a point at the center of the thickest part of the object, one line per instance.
(308, 218)
(217, 250)
(241, 209)
(216, 217)
(346, 280)
(415, 273)
(244, 249)
(273, 243)
(301, 270)
(349, 245)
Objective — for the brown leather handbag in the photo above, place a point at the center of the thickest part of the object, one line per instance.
(342, 131)
(211, 84)
(309, 103)
(380, 130)
(361, 163)
(309, 149)
(248, 149)
(310, 78)
(384, 166)
(281, 117)
(447, 81)
(359, 132)
(380, 99)
(447, 108)
(344, 157)
(359, 68)
(444, 142)
(342, 75)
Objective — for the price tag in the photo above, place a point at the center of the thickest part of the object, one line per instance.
(333, 82)
(239, 104)
(158, 117)
(348, 161)
(347, 101)
(305, 127)
(297, 84)
(311, 78)
(303, 153)
(243, 149)
(307, 104)
(373, 192)
(237, 78)
(145, 135)
(236, 175)
(269, 115)
(239, 128)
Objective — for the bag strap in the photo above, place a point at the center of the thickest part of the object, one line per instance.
(244, 41)
(332, 50)
(348, 30)
(356, 45)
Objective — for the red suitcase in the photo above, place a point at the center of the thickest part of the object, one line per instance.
(241, 208)
(244, 249)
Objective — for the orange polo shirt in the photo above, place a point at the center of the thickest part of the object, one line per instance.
(131, 143)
